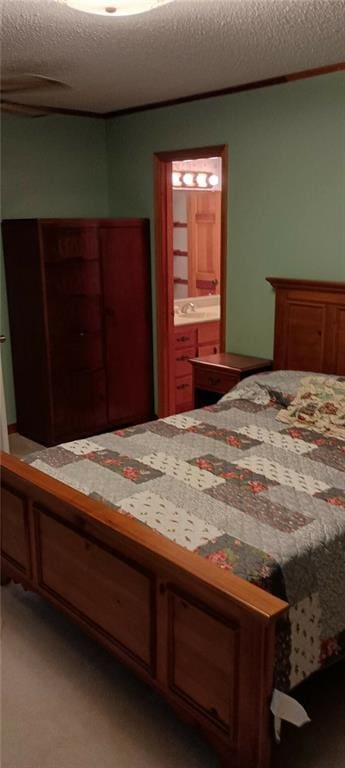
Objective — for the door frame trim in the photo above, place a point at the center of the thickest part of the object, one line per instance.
(164, 264)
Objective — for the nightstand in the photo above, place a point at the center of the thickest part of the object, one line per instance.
(214, 375)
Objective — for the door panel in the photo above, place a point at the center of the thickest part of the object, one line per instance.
(70, 279)
(339, 366)
(75, 316)
(203, 660)
(128, 327)
(111, 594)
(15, 542)
(79, 403)
(208, 332)
(75, 320)
(65, 243)
(307, 351)
(204, 221)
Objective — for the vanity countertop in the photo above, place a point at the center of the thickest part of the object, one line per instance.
(201, 314)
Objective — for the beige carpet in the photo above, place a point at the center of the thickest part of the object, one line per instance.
(67, 704)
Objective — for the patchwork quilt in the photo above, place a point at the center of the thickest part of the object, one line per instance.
(244, 490)
(319, 404)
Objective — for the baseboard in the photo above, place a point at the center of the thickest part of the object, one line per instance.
(11, 428)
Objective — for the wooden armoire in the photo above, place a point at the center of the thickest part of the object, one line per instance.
(79, 296)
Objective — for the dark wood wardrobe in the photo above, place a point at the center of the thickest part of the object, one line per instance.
(79, 295)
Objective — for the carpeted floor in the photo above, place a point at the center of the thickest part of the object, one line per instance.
(67, 704)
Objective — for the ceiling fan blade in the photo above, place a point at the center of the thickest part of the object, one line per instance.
(23, 109)
(28, 82)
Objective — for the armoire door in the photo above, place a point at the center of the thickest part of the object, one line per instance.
(75, 322)
(126, 279)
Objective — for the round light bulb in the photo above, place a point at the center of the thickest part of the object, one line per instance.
(201, 180)
(213, 180)
(188, 179)
(176, 179)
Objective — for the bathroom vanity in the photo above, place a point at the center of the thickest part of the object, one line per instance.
(197, 333)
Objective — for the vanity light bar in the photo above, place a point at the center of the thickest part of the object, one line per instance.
(194, 180)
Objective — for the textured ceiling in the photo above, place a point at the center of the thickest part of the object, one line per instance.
(186, 47)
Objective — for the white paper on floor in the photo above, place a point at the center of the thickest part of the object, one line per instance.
(284, 707)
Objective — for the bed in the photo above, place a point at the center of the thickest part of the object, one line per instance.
(123, 532)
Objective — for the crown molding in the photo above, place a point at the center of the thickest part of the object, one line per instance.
(280, 80)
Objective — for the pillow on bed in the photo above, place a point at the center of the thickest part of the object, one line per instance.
(277, 388)
(319, 405)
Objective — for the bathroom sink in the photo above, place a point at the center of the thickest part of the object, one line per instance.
(191, 317)
(197, 313)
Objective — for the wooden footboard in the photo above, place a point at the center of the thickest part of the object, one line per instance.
(201, 636)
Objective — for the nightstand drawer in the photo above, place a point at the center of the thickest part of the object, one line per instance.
(216, 381)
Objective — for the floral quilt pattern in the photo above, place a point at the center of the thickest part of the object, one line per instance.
(254, 495)
(319, 402)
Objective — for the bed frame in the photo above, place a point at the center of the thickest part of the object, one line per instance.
(202, 637)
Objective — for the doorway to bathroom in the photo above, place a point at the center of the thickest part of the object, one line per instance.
(191, 255)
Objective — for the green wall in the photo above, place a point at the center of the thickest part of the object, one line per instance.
(51, 166)
(286, 186)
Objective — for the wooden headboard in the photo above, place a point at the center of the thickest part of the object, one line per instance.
(309, 332)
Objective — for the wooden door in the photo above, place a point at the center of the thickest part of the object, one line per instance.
(128, 325)
(26, 305)
(204, 242)
(75, 327)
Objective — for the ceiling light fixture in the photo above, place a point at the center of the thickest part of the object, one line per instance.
(116, 8)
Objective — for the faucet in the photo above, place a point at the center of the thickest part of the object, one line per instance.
(185, 307)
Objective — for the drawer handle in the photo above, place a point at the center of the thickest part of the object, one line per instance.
(183, 386)
(212, 380)
(182, 338)
(182, 358)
